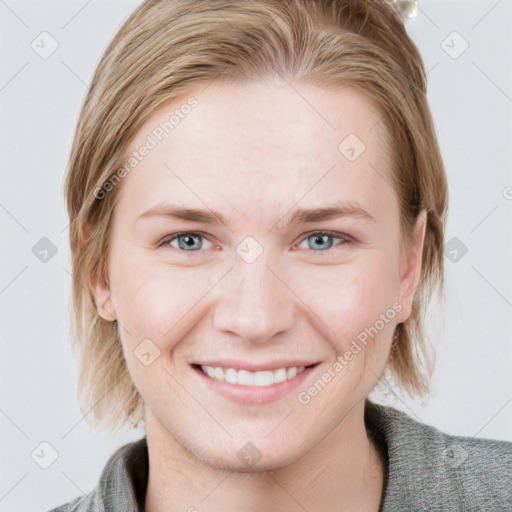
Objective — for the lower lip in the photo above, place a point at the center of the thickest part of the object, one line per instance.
(254, 395)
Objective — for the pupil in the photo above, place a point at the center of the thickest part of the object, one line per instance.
(188, 241)
(321, 239)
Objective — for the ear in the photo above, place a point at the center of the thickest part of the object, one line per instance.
(98, 285)
(410, 267)
(102, 298)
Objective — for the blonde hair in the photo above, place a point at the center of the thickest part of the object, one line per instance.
(166, 47)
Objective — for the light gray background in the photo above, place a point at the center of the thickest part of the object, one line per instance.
(471, 100)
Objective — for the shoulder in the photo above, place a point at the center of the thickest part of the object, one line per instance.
(80, 504)
(122, 483)
(439, 471)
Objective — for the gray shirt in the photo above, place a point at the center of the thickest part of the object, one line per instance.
(426, 470)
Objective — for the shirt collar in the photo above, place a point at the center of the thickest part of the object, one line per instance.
(123, 482)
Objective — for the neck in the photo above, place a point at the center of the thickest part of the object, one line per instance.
(342, 472)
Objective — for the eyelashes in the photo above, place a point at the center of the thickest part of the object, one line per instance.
(186, 235)
(322, 234)
(186, 240)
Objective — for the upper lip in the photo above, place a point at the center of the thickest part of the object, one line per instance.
(238, 364)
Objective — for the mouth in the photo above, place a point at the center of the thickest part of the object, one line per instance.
(253, 378)
(252, 387)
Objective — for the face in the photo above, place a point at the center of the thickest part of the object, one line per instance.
(291, 258)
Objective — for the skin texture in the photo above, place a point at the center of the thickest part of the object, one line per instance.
(255, 153)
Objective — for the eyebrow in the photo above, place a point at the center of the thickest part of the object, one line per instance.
(299, 215)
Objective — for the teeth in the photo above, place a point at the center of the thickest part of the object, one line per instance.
(246, 378)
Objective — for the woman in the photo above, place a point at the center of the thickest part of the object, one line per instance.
(257, 205)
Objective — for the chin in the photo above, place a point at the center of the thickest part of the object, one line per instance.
(248, 459)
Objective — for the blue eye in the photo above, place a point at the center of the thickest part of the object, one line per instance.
(188, 242)
(322, 240)
(193, 241)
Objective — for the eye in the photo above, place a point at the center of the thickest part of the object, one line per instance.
(187, 241)
(322, 240)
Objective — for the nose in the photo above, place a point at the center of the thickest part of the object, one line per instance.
(253, 301)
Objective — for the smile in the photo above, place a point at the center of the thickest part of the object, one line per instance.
(248, 378)
(247, 387)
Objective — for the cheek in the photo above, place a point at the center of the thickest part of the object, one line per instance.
(351, 298)
(155, 301)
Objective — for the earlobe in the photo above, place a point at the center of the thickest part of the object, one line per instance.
(102, 298)
(410, 267)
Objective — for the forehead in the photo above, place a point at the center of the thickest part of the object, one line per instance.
(261, 145)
